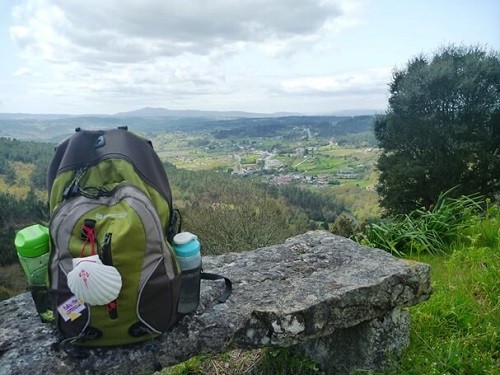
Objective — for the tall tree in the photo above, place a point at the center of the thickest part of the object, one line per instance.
(442, 129)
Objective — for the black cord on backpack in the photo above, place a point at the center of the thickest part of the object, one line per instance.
(69, 347)
(227, 290)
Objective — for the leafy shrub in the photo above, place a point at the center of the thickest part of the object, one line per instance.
(424, 231)
(231, 214)
(15, 214)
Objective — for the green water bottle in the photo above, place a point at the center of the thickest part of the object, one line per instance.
(32, 245)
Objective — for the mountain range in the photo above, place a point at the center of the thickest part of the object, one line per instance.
(152, 112)
(56, 127)
(159, 112)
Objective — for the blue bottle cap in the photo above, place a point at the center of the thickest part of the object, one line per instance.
(184, 237)
(186, 244)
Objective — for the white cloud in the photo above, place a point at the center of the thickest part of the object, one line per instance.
(135, 30)
(371, 80)
(23, 72)
(164, 51)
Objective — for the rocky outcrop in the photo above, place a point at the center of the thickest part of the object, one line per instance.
(337, 301)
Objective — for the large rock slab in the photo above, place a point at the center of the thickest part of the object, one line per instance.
(312, 287)
(371, 345)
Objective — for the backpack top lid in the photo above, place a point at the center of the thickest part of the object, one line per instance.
(87, 147)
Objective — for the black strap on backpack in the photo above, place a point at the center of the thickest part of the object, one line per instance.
(227, 290)
(175, 225)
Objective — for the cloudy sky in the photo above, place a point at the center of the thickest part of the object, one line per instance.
(309, 56)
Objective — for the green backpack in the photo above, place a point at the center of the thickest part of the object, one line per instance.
(111, 207)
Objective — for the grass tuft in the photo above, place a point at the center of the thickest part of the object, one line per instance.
(424, 231)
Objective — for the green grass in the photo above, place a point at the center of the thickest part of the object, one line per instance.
(424, 231)
(456, 331)
(285, 361)
(269, 361)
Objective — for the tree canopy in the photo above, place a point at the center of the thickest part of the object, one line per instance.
(442, 129)
(233, 214)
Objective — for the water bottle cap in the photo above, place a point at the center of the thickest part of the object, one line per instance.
(184, 237)
(186, 244)
(32, 241)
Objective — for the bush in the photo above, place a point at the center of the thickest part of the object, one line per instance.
(424, 231)
(15, 214)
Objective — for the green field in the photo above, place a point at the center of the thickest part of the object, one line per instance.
(299, 158)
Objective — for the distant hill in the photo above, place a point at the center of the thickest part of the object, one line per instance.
(222, 124)
(149, 112)
(163, 112)
(354, 112)
(292, 126)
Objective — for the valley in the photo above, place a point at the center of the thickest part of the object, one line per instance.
(334, 156)
(263, 179)
(342, 168)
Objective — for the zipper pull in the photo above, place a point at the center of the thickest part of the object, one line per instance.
(107, 259)
(112, 309)
(105, 250)
(73, 188)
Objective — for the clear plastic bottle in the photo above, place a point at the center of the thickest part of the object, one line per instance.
(32, 245)
(188, 251)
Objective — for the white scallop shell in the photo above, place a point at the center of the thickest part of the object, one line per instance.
(93, 282)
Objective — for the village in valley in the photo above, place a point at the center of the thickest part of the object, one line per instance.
(332, 166)
(279, 175)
